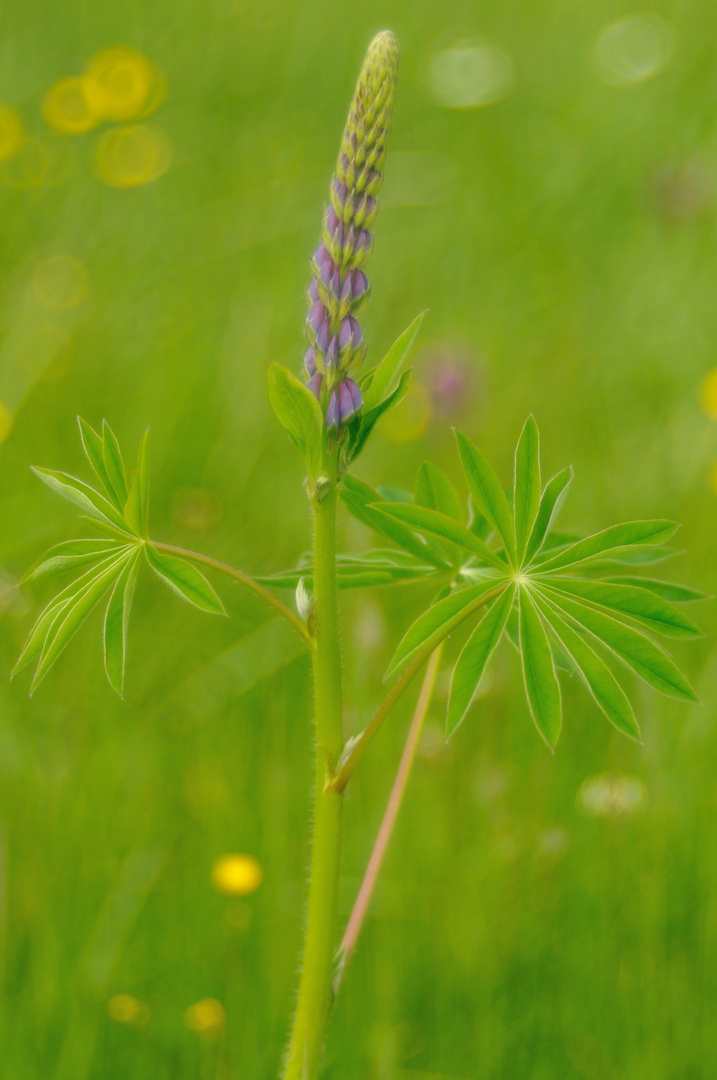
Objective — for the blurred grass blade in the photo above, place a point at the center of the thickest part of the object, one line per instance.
(474, 656)
(550, 502)
(299, 412)
(434, 625)
(637, 603)
(668, 590)
(441, 527)
(639, 652)
(185, 580)
(600, 681)
(70, 620)
(609, 540)
(434, 491)
(82, 495)
(114, 465)
(137, 507)
(116, 625)
(541, 683)
(487, 492)
(526, 490)
(69, 555)
(386, 375)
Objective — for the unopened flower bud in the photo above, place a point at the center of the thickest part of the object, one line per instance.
(310, 362)
(333, 414)
(314, 384)
(313, 291)
(316, 318)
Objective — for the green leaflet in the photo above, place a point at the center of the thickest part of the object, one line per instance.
(362, 502)
(600, 681)
(541, 683)
(112, 458)
(668, 590)
(639, 652)
(92, 445)
(82, 495)
(487, 492)
(70, 554)
(299, 412)
(442, 527)
(71, 617)
(440, 620)
(609, 540)
(185, 580)
(635, 602)
(526, 488)
(116, 624)
(367, 420)
(550, 502)
(434, 491)
(474, 656)
(36, 638)
(374, 568)
(137, 507)
(386, 375)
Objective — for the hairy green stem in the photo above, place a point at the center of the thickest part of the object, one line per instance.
(315, 988)
(247, 582)
(353, 928)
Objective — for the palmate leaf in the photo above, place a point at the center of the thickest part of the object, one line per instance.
(82, 495)
(383, 567)
(668, 590)
(550, 502)
(137, 507)
(434, 491)
(360, 429)
(299, 412)
(386, 376)
(629, 534)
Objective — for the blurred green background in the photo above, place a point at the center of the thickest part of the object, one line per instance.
(551, 197)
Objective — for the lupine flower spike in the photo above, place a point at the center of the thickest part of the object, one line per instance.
(340, 288)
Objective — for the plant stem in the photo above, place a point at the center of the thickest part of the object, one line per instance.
(347, 766)
(315, 988)
(248, 582)
(398, 790)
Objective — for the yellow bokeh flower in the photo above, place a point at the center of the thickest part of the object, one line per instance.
(123, 84)
(67, 106)
(132, 156)
(60, 282)
(126, 1009)
(237, 875)
(6, 422)
(10, 132)
(206, 1017)
(708, 394)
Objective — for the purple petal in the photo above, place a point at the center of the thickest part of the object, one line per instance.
(346, 405)
(310, 362)
(359, 286)
(355, 392)
(333, 416)
(332, 353)
(322, 336)
(313, 291)
(314, 384)
(321, 255)
(317, 317)
(332, 220)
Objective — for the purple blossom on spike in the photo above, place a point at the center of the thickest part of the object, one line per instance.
(340, 286)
